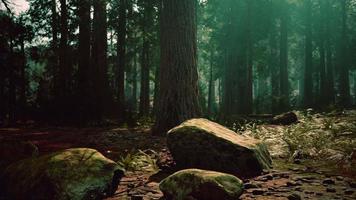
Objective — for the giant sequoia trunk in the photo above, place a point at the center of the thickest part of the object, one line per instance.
(178, 98)
(100, 57)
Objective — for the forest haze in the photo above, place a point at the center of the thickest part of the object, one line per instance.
(178, 100)
(82, 61)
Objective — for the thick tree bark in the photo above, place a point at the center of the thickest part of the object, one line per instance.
(178, 99)
(273, 65)
(121, 54)
(344, 65)
(211, 92)
(330, 98)
(84, 60)
(283, 65)
(322, 68)
(145, 59)
(247, 107)
(64, 69)
(100, 93)
(308, 81)
(145, 80)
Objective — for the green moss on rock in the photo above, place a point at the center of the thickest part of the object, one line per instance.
(200, 143)
(201, 185)
(74, 174)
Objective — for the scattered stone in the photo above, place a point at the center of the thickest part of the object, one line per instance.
(331, 190)
(339, 178)
(294, 196)
(285, 119)
(250, 186)
(137, 197)
(70, 174)
(258, 192)
(349, 192)
(328, 181)
(297, 161)
(352, 184)
(200, 143)
(292, 183)
(201, 184)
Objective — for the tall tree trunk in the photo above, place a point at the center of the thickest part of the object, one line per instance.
(330, 98)
(308, 81)
(101, 91)
(344, 65)
(283, 65)
(121, 54)
(64, 71)
(84, 60)
(178, 99)
(273, 67)
(247, 107)
(211, 92)
(22, 79)
(322, 68)
(145, 79)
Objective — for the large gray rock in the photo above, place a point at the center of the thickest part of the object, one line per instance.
(72, 174)
(200, 143)
(201, 185)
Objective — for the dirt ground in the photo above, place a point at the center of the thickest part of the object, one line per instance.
(287, 180)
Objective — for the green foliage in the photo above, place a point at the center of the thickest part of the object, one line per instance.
(140, 161)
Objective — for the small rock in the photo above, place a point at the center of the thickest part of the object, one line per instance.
(328, 181)
(349, 192)
(339, 178)
(297, 161)
(292, 183)
(331, 190)
(294, 196)
(250, 185)
(352, 184)
(258, 192)
(137, 197)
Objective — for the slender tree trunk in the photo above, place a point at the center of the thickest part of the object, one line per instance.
(247, 107)
(273, 65)
(308, 81)
(12, 87)
(322, 52)
(64, 71)
(178, 99)
(145, 80)
(283, 65)
(330, 98)
(344, 65)
(84, 60)
(22, 77)
(101, 91)
(211, 93)
(121, 53)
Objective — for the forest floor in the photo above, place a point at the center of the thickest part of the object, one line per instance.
(313, 159)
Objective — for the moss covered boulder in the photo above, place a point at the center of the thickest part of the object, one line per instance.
(73, 174)
(201, 185)
(200, 143)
